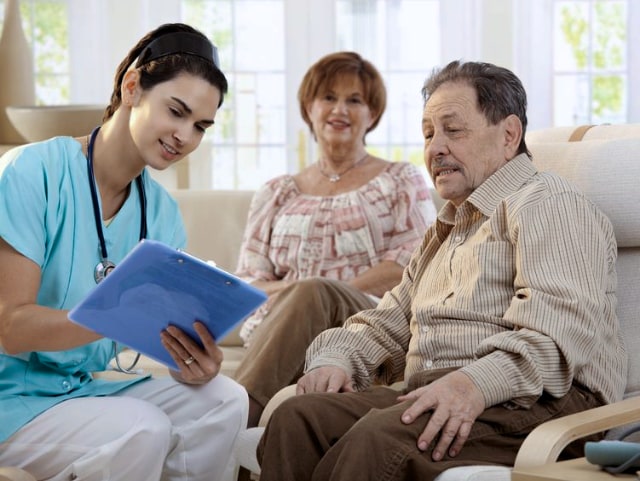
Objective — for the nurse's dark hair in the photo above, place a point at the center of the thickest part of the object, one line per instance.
(166, 67)
(499, 91)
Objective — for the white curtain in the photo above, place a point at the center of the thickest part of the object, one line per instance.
(100, 35)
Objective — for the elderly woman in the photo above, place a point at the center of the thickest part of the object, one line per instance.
(329, 241)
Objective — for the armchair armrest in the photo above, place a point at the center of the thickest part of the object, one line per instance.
(15, 474)
(545, 443)
(275, 401)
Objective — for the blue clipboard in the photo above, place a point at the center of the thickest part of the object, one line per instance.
(155, 286)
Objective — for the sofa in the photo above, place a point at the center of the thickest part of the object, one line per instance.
(602, 160)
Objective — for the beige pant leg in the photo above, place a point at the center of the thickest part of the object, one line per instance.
(275, 357)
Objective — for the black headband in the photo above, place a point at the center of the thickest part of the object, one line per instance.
(179, 42)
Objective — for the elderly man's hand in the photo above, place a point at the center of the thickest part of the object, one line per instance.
(455, 402)
(325, 379)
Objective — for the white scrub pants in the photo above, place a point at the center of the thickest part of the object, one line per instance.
(155, 430)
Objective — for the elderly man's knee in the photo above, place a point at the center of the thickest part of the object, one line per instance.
(299, 408)
(380, 424)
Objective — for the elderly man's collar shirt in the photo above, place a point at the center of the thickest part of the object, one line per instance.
(515, 286)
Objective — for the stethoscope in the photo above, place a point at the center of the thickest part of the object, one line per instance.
(105, 266)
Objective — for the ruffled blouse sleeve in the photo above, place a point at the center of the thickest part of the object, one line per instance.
(413, 211)
(254, 262)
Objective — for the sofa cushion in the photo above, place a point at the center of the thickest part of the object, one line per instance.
(214, 221)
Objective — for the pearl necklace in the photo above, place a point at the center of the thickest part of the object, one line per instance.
(336, 177)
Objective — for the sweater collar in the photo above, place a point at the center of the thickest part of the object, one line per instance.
(504, 182)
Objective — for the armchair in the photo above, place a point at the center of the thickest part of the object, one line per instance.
(602, 161)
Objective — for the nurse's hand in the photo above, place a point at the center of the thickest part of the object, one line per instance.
(198, 365)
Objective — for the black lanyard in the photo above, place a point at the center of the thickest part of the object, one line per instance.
(105, 265)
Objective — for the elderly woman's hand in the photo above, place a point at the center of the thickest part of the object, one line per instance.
(198, 365)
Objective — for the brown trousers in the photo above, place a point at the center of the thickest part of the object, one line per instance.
(359, 436)
(276, 354)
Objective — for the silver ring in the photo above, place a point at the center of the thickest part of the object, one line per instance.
(189, 360)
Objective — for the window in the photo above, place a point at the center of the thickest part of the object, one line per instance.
(577, 58)
(590, 62)
(45, 25)
(248, 143)
(256, 139)
(402, 39)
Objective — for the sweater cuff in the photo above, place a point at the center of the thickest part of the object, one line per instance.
(335, 359)
(491, 375)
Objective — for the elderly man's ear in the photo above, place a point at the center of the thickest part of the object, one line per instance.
(512, 136)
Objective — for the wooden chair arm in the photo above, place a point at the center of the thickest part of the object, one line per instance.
(545, 443)
(15, 474)
(275, 401)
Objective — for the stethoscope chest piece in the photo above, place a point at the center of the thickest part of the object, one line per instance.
(103, 268)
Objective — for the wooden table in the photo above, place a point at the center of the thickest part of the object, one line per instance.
(573, 470)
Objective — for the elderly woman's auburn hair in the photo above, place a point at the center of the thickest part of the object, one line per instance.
(321, 76)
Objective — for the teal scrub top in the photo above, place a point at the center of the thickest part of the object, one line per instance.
(46, 214)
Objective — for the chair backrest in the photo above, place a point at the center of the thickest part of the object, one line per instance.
(584, 132)
(608, 171)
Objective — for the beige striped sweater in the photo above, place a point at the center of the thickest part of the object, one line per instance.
(516, 287)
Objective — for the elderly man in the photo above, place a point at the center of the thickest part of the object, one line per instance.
(505, 316)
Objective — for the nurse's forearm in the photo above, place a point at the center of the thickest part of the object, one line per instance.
(36, 328)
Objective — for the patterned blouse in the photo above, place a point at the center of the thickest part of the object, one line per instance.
(292, 236)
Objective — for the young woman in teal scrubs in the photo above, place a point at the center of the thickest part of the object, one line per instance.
(70, 209)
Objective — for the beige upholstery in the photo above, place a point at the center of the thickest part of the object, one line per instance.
(215, 221)
(15, 474)
(587, 132)
(605, 164)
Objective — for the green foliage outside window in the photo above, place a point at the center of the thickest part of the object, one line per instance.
(212, 19)
(598, 44)
(45, 24)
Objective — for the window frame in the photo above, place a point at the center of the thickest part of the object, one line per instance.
(516, 34)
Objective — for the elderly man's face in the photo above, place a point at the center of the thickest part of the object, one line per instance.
(461, 148)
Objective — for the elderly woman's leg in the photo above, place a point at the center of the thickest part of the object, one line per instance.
(275, 356)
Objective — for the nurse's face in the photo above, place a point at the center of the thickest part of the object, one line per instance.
(168, 121)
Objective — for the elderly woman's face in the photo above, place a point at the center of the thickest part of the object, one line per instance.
(340, 113)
